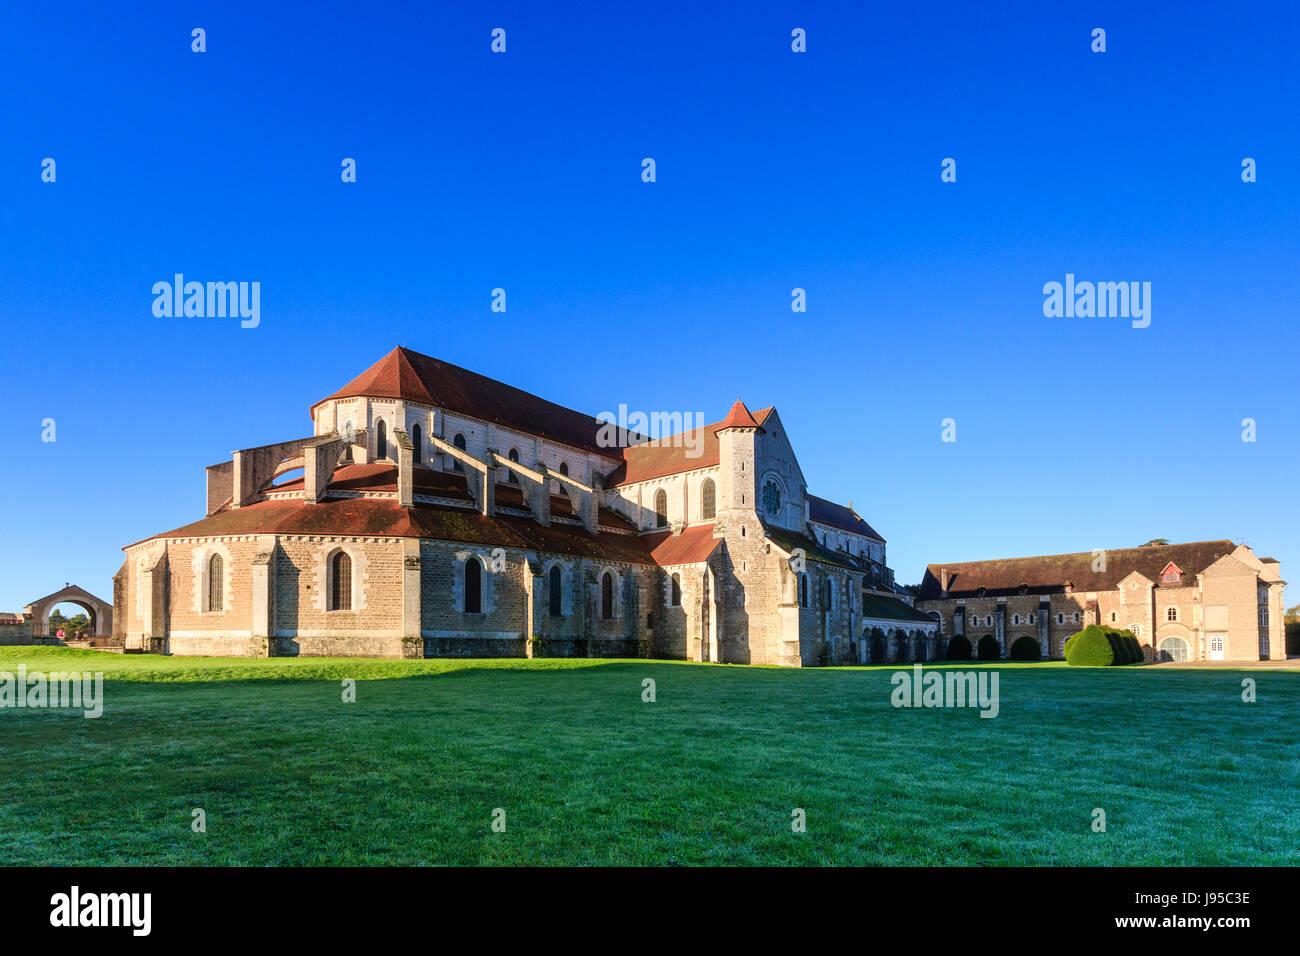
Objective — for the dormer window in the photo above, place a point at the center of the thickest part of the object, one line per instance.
(1172, 574)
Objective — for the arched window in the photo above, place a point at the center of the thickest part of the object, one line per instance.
(473, 586)
(381, 440)
(1171, 614)
(676, 592)
(417, 436)
(564, 469)
(708, 499)
(215, 582)
(459, 442)
(661, 509)
(607, 596)
(1114, 617)
(341, 582)
(803, 590)
(510, 475)
(555, 586)
(1015, 620)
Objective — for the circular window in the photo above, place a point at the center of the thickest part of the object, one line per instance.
(771, 497)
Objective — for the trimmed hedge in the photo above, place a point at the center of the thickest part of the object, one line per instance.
(1119, 648)
(989, 649)
(1091, 647)
(1024, 649)
(1099, 646)
(959, 649)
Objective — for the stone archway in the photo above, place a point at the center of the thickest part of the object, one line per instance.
(99, 611)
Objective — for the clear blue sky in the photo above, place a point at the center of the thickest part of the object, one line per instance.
(775, 170)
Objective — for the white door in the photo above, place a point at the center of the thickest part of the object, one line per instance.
(1216, 647)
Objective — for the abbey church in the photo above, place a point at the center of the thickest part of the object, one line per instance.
(434, 512)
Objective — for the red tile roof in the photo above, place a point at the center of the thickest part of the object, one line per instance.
(414, 377)
(671, 455)
(739, 417)
(384, 517)
(1049, 573)
(690, 547)
(382, 476)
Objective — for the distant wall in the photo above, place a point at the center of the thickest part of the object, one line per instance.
(11, 634)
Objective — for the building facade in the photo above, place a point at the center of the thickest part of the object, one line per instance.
(436, 512)
(1202, 601)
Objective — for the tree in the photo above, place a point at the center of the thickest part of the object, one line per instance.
(1155, 542)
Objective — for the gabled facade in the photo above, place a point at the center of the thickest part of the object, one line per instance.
(437, 512)
(1200, 601)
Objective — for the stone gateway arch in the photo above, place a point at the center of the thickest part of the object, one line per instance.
(99, 612)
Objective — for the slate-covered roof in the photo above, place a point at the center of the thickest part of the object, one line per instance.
(788, 540)
(696, 448)
(875, 606)
(414, 377)
(1048, 574)
(838, 516)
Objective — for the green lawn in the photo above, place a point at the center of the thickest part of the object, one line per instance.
(589, 774)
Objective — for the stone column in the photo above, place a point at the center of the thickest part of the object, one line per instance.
(263, 596)
(412, 596)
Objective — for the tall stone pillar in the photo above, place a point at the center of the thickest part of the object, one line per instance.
(412, 595)
(263, 596)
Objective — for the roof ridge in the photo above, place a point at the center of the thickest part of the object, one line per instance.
(1079, 554)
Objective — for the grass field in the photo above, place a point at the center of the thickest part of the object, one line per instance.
(587, 773)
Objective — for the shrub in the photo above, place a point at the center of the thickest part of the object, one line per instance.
(1024, 649)
(959, 649)
(988, 648)
(1135, 652)
(1091, 647)
(1119, 647)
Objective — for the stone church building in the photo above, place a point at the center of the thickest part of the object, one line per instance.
(434, 512)
(1202, 601)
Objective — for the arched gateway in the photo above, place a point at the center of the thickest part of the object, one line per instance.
(98, 611)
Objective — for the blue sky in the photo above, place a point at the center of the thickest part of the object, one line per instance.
(775, 170)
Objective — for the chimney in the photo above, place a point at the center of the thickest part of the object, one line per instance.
(943, 581)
